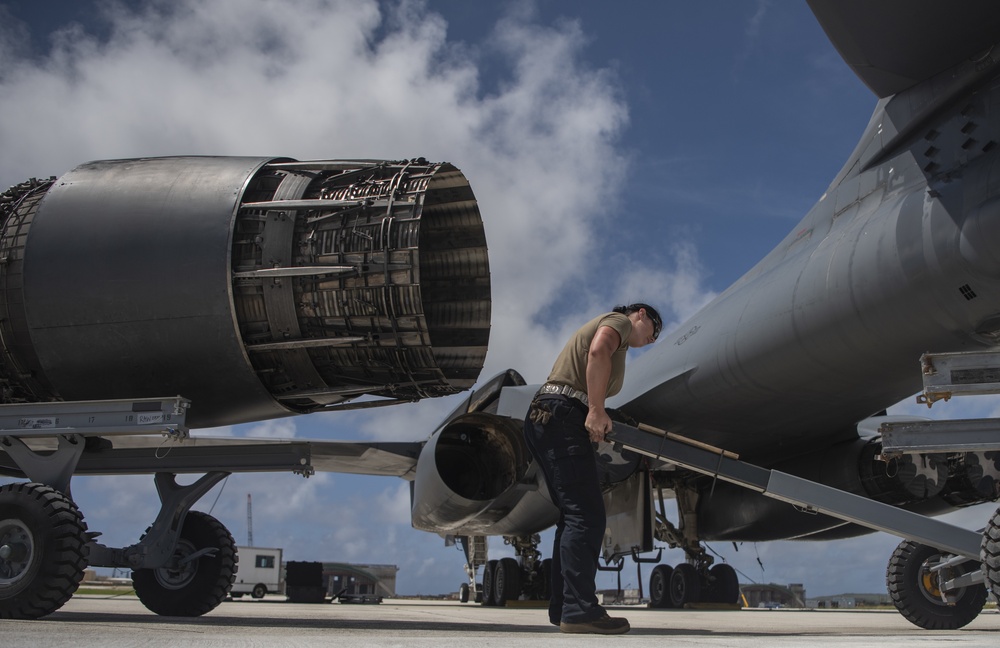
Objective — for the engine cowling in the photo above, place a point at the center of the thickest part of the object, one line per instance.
(464, 469)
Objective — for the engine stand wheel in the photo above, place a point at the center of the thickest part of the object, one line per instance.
(659, 586)
(990, 554)
(685, 585)
(915, 589)
(193, 587)
(42, 539)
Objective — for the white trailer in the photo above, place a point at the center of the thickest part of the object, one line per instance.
(258, 572)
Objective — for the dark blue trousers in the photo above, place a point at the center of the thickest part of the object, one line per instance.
(562, 449)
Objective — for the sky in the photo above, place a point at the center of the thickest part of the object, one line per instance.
(633, 151)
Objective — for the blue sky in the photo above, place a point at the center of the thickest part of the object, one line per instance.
(620, 151)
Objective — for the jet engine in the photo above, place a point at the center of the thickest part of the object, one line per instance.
(255, 287)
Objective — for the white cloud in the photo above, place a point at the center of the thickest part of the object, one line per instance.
(319, 79)
(278, 428)
(539, 141)
(393, 504)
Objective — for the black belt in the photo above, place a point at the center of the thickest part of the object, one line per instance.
(565, 390)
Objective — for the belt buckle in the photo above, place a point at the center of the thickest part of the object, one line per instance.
(564, 390)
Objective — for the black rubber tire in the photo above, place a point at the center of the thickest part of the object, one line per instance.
(43, 536)
(724, 584)
(685, 585)
(913, 590)
(659, 587)
(463, 593)
(506, 581)
(545, 567)
(990, 554)
(203, 583)
(259, 591)
(489, 570)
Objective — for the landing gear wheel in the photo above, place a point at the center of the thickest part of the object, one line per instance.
(546, 572)
(506, 581)
(489, 570)
(259, 590)
(915, 589)
(685, 585)
(42, 536)
(195, 587)
(463, 593)
(990, 554)
(724, 584)
(659, 586)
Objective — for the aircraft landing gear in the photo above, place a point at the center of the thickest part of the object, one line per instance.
(659, 587)
(42, 538)
(916, 579)
(695, 581)
(475, 550)
(671, 587)
(685, 585)
(510, 579)
(723, 584)
(506, 581)
(489, 572)
(503, 580)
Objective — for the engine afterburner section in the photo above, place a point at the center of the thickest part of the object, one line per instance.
(255, 287)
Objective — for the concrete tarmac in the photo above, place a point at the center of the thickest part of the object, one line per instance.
(271, 622)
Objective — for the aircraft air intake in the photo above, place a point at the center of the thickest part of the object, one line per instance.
(255, 287)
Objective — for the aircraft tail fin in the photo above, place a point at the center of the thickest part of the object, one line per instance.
(894, 44)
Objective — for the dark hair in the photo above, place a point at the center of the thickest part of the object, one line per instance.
(652, 312)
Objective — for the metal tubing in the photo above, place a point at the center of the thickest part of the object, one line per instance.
(800, 492)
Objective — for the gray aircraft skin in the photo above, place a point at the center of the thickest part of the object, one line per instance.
(900, 256)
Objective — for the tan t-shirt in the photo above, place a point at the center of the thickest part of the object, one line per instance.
(571, 365)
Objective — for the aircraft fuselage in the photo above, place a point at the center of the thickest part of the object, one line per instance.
(901, 256)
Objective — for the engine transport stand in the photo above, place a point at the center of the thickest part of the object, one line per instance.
(44, 541)
(185, 562)
(941, 561)
(946, 375)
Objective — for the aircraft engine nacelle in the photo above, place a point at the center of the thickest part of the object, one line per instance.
(929, 484)
(956, 478)
(255, 287)
(463, 470)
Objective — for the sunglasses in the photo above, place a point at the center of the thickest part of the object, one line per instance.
(657, 325)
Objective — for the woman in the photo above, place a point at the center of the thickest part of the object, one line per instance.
(566, 417)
